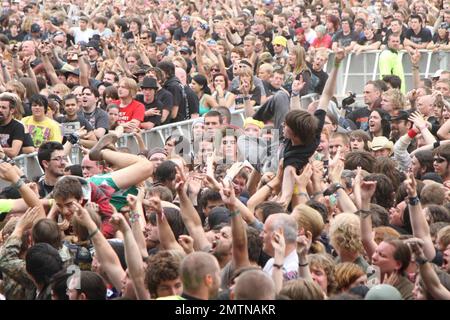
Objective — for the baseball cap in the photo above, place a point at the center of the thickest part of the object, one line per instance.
(160, 40)
(186, 50)
(257, 123)
(280, 40)
(444, 25)
(402, 115)
(379, 143)
(35, 28)
(149, 82)
(204, 26)
(383, 292)
(217, 216)
(437, 74)
(211, 42)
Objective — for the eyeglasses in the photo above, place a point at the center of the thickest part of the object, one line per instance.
(59, 159)
(225, 142)
(439, 160)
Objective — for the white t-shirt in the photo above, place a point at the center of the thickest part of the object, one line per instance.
(290, 266)
(80, 35)
(310, 36)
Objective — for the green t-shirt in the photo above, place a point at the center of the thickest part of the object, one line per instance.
(119, 197)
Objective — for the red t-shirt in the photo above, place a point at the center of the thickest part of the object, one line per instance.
(325, 42)
(135, 110)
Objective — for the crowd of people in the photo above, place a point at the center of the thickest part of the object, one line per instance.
(331, 201)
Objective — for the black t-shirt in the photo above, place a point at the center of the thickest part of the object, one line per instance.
(189, 104)
(193, 102)
(179, 35)
(14, 39)
(156, 120)
(345, 40)
(318, 79)
(44, 189)
(14, 130)
(436, 39)
(364, 41)
(298, 156)
(70, 126)
(174, 86)
(360, 117)
(166, 98)
(97, 119)
(423, 36)
(389, 32)
(255, 95)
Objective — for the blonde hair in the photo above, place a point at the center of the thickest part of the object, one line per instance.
(397, 98)
(249, 73)
(443, 237)
(324, 261)
(62, 88)
(345, 233)
(300, 60)
(182, 62)
(345, 274)
(131, 85)
(301, 289)
(310, 220)
(384, 232)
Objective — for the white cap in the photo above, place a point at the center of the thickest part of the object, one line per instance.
(437, 74)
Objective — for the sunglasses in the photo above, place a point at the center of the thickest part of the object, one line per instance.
(439, 160)
(215, 69)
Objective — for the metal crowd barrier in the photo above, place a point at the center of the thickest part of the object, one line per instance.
(155, 137)
(356, 70)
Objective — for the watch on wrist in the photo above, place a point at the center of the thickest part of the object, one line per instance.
(332, 189)
(421, 261)
(414, 201)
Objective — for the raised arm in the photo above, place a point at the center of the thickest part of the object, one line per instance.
(13, 175)
(330, 85)
(238, 229)
(133, 258)
(364, 191)
(429, 277)
(137, 221)
(418, 221)
(190, 216)
(103, 251)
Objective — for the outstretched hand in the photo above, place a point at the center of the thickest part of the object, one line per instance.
(411, 185)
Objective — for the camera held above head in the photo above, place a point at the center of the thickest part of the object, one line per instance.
(346, 102)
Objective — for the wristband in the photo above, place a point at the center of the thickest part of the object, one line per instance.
(421, 261)
(414, 201)
(412, 133)
(363, 213)
(269, 186)
(436, 144)
(278, 266)
(337, 64)
(304, 194)
(303, 265)
(134, 216)
(18, 184)
(234, 213)
(90, 236)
